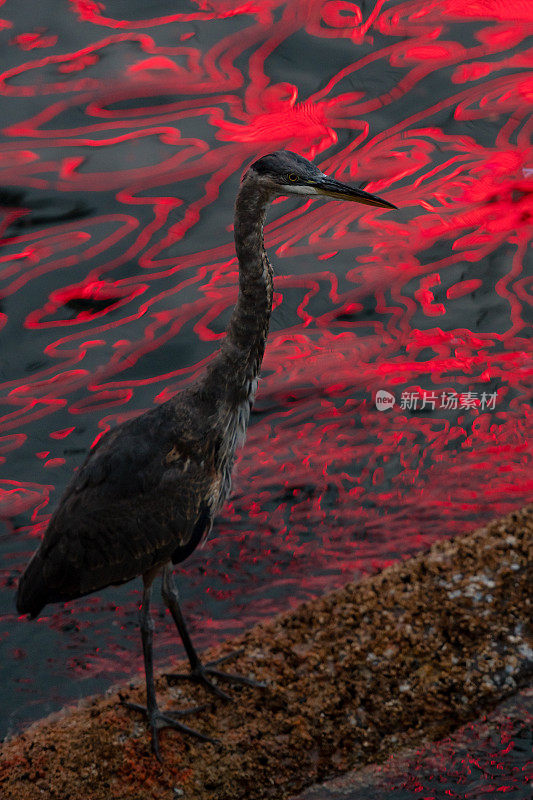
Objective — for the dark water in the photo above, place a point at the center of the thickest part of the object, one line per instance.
(125, 130)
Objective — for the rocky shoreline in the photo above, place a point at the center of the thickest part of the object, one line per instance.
(401, 657)
(491, 754)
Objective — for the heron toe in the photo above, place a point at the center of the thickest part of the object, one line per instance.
(157, 720)
(200, 672)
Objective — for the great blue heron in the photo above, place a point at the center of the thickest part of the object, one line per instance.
(148, 492)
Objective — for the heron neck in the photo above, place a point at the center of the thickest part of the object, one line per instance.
(238, 362)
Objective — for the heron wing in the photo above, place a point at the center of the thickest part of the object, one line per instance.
(123, 463)
(142, 497)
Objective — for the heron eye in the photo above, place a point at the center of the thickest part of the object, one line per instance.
(292, 176)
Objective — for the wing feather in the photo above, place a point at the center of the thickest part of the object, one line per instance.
(141, 498)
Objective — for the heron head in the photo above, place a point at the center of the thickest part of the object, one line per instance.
(284, 172)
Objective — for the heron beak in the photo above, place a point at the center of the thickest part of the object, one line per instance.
(341, 191)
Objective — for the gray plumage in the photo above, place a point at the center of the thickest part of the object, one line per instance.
(148, 492)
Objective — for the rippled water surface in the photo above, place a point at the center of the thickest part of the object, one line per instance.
(125, 130)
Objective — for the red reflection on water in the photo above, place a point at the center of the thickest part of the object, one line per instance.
(30, 41)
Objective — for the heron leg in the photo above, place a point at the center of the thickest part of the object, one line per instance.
(199, 672)
(156, 718)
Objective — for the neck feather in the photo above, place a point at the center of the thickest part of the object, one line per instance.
(238, 363)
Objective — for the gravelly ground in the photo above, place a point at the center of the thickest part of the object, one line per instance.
(403, 656)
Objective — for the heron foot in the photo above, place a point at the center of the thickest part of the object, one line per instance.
(200, 672)
(157, 720)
